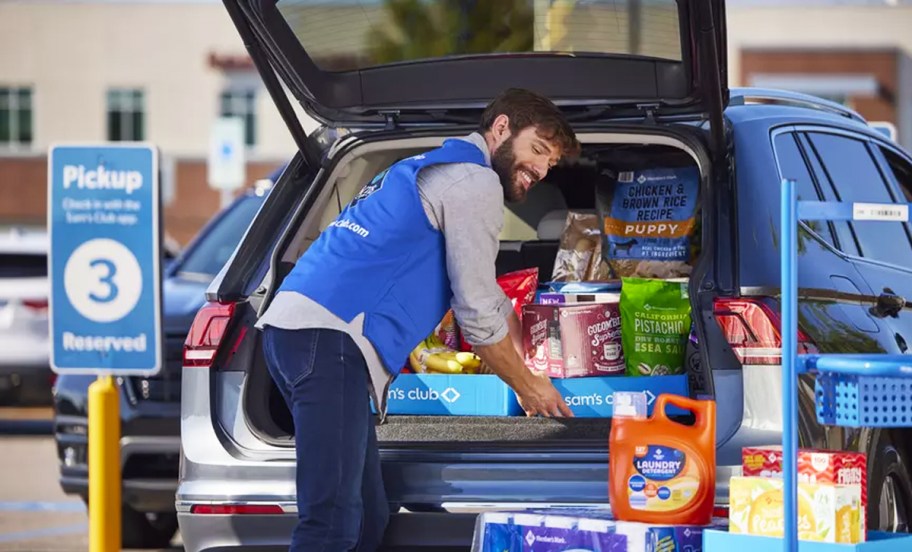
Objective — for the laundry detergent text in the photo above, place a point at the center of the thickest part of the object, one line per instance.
(660, 463)
(661, 479)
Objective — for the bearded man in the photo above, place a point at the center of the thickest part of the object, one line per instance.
(419, 239)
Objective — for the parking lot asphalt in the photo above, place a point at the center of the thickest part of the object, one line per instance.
(35, 515)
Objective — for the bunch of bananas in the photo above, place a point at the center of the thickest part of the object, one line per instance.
(432, 356)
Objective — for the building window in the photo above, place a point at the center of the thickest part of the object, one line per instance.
(126, 115)
(241, 103)
(15, 116)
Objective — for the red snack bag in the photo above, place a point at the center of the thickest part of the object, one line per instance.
(520, 287)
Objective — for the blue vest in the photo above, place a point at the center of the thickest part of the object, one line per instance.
(383, 257)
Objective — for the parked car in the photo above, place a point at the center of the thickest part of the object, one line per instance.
(667, 104)
(25, 374)
(150, 406)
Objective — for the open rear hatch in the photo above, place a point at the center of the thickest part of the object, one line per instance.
(366, 62)
(392, 64)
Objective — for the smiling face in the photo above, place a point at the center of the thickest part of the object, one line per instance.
(521, 160)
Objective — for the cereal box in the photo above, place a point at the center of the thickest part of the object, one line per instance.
(814, 466)
(826, 512)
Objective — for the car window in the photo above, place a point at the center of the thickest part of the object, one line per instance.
(521, 220)
(855, 177)
(23, 265)
(793, 166)
(902, 171)
(357, 34)
(214, 248)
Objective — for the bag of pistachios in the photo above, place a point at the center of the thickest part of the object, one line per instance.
(655, 322)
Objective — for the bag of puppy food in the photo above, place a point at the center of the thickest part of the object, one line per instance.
(579, 257)
(649, 221)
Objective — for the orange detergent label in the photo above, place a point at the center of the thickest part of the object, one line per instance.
(661, 479)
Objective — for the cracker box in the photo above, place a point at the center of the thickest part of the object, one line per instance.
(826, 512)
(814, 466)
(573, 340)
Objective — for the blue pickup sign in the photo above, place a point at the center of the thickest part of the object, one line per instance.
(104, 260)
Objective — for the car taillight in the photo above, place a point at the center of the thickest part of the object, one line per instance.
(752, 329)
(236, 509)
(206, 334)
(35, 304)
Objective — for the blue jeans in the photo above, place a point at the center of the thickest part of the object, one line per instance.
(322, 375)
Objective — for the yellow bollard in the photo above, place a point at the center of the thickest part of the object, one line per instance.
(104, 466)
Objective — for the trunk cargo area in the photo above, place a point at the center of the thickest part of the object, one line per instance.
(531, 238)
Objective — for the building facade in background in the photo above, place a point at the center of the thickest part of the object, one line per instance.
(155, 71)
(163, 71)
(855, 52)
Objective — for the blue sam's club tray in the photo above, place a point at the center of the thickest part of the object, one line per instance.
(451, 395)
(877, 542)
(592, 397)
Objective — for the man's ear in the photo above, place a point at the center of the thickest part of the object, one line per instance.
(501, 128)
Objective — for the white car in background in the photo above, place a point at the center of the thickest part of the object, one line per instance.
(24, 343)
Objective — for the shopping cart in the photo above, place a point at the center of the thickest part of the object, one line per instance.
(851, 390)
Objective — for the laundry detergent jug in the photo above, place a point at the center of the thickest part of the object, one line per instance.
(663, 471)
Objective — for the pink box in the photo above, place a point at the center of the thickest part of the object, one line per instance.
(573, 340)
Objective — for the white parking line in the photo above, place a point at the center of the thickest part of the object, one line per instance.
(72, 529)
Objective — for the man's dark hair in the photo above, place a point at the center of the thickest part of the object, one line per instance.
(526, 108)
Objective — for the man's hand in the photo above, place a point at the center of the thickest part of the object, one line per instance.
(536, 394)
(541, 398)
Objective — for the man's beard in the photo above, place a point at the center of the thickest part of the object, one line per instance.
(503, 161)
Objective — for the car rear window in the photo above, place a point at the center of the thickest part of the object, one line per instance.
(344, 35)
(23, 265)
(215, 246)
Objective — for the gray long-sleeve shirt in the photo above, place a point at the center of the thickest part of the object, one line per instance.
(465, 202)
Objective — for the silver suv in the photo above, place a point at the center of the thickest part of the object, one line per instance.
(642, 83)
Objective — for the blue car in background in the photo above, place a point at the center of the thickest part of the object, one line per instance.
(150, 407)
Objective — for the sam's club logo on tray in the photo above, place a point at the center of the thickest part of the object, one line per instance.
(449, 395)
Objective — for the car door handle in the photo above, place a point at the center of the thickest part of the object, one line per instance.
(888, 304)
(901, 343)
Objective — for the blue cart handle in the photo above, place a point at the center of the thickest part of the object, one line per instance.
(857, 364)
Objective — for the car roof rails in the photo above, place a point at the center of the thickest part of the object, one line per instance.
(743, 96)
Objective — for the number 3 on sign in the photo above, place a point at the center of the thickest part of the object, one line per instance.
(102, 280)
(107, 279)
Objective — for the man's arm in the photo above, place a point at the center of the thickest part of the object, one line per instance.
(515, 326)
(536, 394)
(470, 214)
